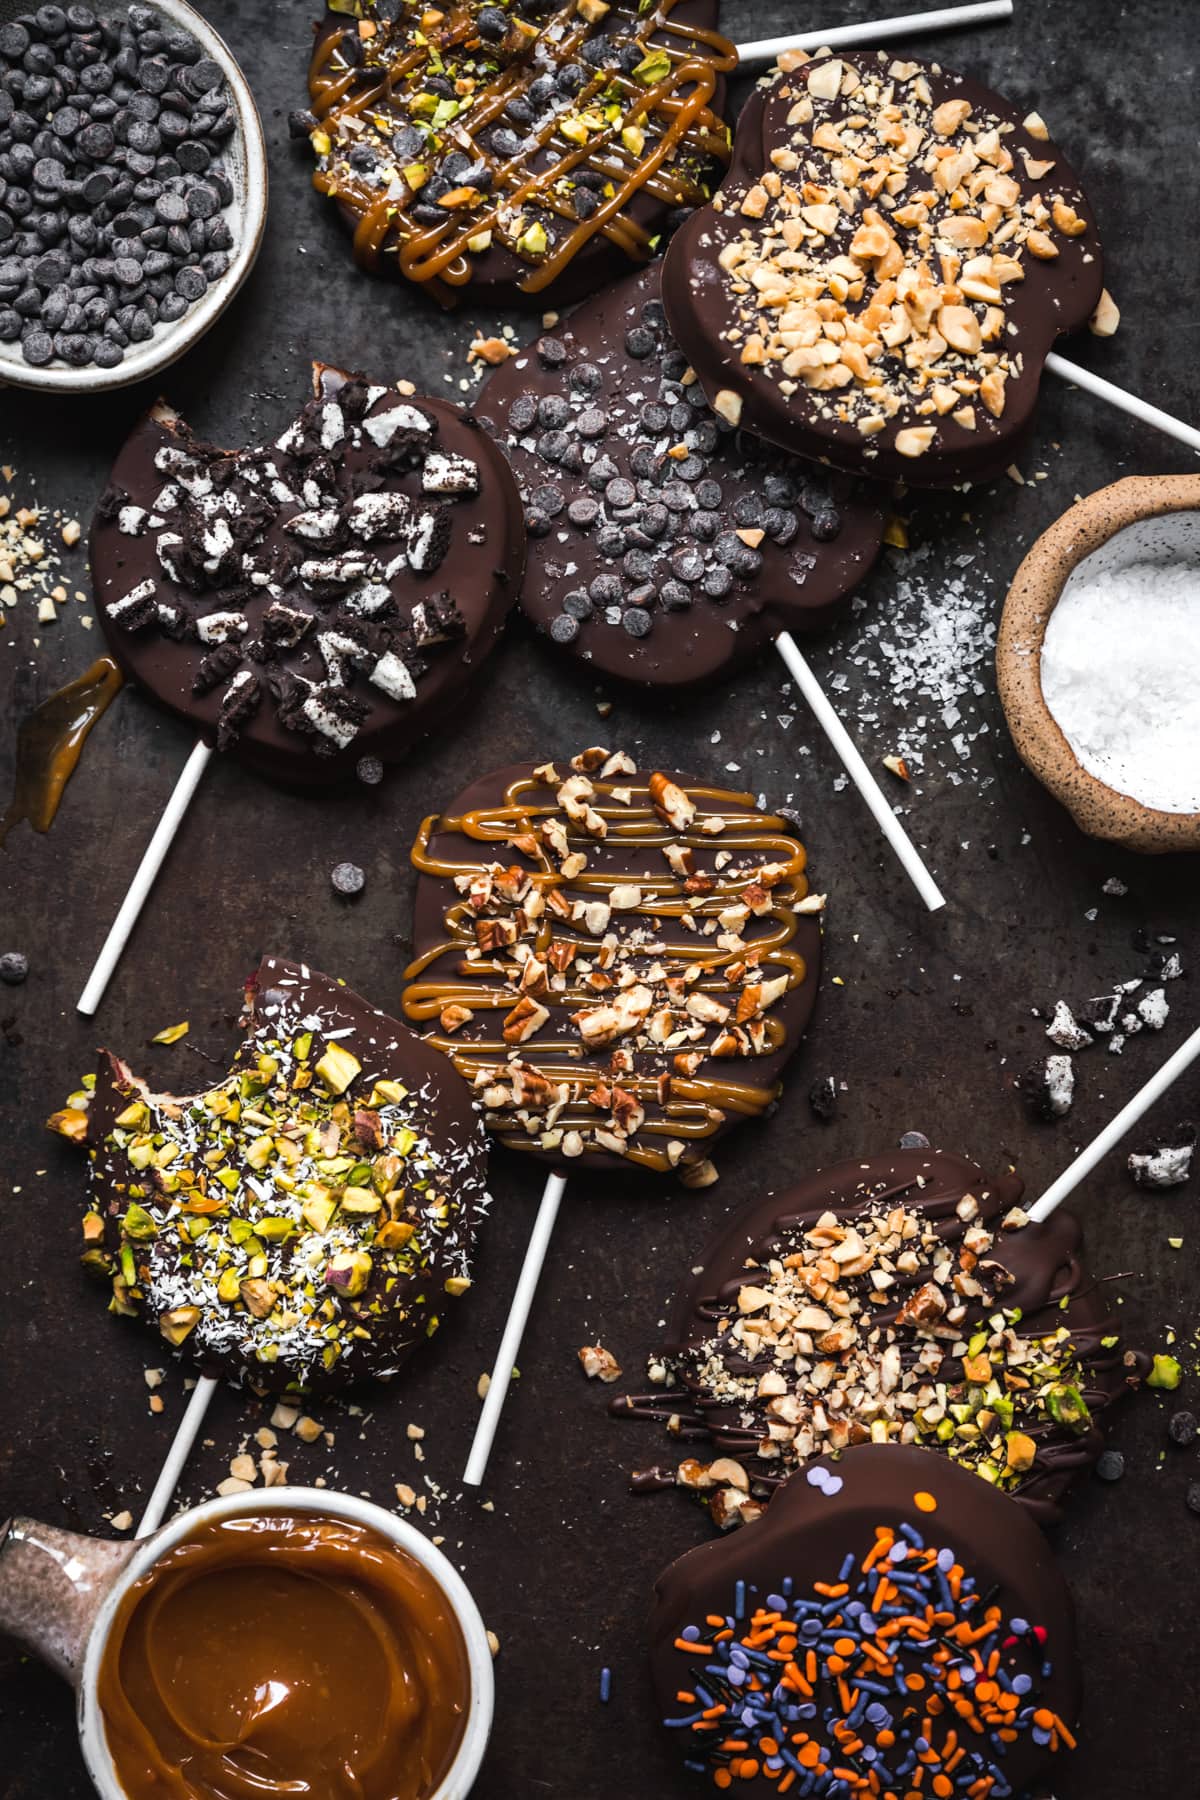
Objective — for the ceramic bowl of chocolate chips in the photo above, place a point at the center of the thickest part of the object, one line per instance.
(133, 190)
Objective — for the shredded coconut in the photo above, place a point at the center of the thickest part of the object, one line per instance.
(1121, 675)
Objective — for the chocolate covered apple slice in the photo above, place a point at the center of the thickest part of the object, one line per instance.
(519, 151)
(666, 547)
(886, 267)
(892, 1627)
(620, 963)
(902, 1298)
(316, 600)
(306, 1220)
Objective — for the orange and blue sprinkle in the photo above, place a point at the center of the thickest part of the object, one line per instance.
(897, 1681)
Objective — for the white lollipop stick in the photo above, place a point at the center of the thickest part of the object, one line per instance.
(143, 881)
(186, 1434)
(845, 37)
(510, 1343)
(1129, 403)
(859, 773)
(1112, 1134)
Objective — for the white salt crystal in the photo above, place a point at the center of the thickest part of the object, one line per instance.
(1120, 673)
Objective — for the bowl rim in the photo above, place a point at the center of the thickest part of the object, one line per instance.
(161, 351)
(1098, 810)
(319, 1502)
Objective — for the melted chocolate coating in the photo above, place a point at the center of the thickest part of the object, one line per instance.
(1035, 1268)
(383, 616)
(1056, 296)
(511, 176)
(628, 1097)
(805, 1538)
(819, 533)
(329, 1325)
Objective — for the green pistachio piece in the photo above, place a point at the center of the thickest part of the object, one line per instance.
(302, 1047)
(178, 1323)
(229, 1286)
(97, 1263)
(653, 68)
(1165, 1374)
(259, 1153)
(388, 1093)
(137, 1223)
(360, 1202)
(275, 1228)
(338, 1068)
(1068, 1407)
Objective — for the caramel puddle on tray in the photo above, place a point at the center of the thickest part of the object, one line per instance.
(49, 741)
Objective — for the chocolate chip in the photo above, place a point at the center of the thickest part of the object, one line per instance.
(536, 523)
(1192, 1497)
(522, 412)
(638, 565)
(577, 604)
(611, 541)
(587, 377)
(637, 621)
(14, 968)
(914, 1140)
(548, 499)
(640, 342)
(1110, 1466)
(655, 418)
(552, 352)
(779, 490)
(705, 526)
(717, 582)
(619, 492)
(709, 495)
(826, 525)
(564, 629)
(37, 347)
(674, 596)
(584, 512)
(1182, 1429)
(592, 423)
(605, 590)
(688, 563)
(553, 411)
(552, 445)
(369, 770)
(348, 879)
(655, 520)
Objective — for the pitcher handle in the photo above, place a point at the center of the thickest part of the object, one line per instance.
(52, 1585)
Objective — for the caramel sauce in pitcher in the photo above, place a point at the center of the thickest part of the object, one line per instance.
(284, 1655)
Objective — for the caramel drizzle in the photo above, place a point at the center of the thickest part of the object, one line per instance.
(439, 253)
(50, 741)
(694, 1107)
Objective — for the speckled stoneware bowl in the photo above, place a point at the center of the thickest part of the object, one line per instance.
(1153, 518)
(246, 161)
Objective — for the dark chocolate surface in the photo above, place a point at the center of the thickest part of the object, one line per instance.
(359, 571)
(1033, 1271)
(425, 111)
(1054, 297)
(806, 1536)
(641, 1040)
(929, 1028)
(341, 1273)
(693, 599)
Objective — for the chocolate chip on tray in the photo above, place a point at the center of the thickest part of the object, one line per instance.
(110, 180)
(14, 968)
(348, 879)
